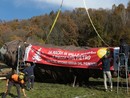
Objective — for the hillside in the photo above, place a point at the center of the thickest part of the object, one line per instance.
(72, 27)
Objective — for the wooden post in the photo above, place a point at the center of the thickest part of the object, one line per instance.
(74, 81)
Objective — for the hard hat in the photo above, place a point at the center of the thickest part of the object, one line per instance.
(21, 77)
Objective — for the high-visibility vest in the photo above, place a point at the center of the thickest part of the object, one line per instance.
(15, 78)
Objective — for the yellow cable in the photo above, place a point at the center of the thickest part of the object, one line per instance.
(54, 22)
(93, 24)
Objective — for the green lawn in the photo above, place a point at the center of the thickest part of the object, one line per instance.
(49, 90)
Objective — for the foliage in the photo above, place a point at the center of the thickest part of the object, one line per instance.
(72, 27)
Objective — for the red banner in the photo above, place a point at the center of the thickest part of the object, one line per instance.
(89, 58)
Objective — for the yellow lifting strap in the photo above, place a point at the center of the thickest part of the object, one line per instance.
(93, 24)
(54, 21)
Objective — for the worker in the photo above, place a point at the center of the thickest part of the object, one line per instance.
(16, 80)
(106, 70)
(124, 49)
(29, 72)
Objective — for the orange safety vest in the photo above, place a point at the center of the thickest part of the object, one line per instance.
(14, 77)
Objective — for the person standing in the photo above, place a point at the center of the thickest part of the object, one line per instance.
(29, 72)
(106, 70)
(124, 49)
(16, 80)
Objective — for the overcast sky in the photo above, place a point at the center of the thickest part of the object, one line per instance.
(25, 9)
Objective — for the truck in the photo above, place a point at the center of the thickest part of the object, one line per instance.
(59, 63)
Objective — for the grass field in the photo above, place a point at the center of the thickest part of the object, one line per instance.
(50, 90)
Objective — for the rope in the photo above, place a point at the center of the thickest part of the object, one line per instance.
(54, 21)
(17, 69)
(93, 24)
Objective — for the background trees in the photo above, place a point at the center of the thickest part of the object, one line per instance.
(72, 27)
